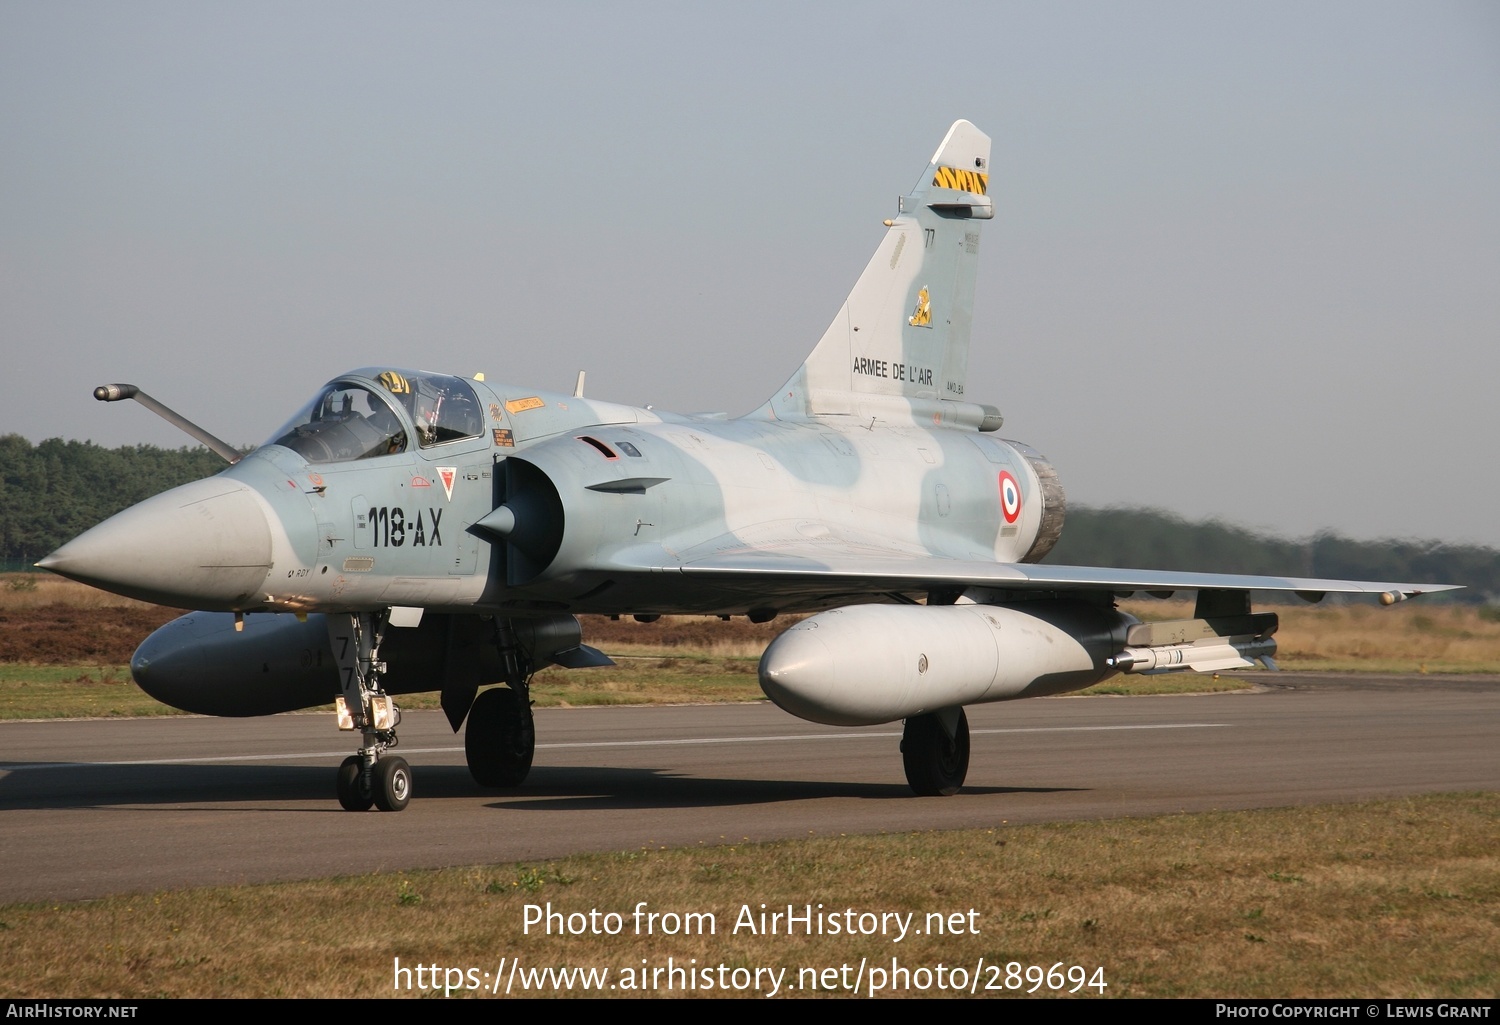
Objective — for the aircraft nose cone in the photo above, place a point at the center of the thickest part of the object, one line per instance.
(205, 545)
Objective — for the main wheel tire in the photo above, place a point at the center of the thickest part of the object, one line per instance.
(935, 763)
(500, 740)
(353, 794)
(391, 781)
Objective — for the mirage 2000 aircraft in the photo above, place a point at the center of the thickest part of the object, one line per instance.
(410, 531)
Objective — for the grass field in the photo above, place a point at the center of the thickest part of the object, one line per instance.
(1389, 899)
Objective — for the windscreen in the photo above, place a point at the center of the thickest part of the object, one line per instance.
(345, 422)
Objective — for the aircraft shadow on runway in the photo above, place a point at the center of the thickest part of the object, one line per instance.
(71, 785)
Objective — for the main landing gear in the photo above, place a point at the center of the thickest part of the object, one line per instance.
(500, 738)
(371, 776)
(935, 752)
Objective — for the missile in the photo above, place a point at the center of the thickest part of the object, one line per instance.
(1202, 657)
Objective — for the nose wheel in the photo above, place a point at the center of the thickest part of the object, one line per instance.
(390, 783)
(354, 786)
(387, 785)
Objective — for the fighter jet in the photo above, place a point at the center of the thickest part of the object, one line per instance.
(410, 531)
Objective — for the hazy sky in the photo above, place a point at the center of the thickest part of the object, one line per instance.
(1245, 260)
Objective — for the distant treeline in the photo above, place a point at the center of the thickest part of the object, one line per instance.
(1152, 539)
(55, 490)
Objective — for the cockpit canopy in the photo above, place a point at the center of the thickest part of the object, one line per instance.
(362, 418)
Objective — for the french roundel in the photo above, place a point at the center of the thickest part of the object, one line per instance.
(1010, 497)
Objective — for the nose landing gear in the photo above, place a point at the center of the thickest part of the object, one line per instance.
(371, 776)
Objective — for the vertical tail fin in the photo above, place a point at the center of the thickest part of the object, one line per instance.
(903, 333)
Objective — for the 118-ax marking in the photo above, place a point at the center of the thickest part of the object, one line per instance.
(389, 526)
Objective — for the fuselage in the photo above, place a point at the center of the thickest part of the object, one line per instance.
(533, 502)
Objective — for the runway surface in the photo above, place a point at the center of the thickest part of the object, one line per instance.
(89, 808)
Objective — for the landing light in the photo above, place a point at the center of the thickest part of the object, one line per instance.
(382, 710)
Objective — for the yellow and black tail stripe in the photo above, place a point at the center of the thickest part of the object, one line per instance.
(962, 180)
